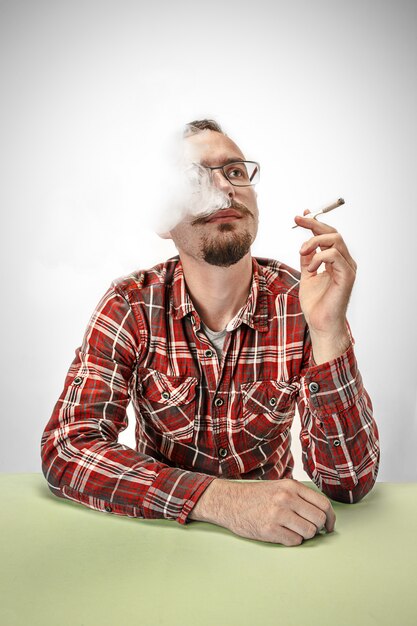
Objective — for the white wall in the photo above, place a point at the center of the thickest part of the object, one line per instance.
(322, 93)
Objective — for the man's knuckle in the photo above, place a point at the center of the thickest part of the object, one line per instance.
(322, 518)
(283, 498)
(288, 482)
(326, 505)
(310, 531)
(283, 491)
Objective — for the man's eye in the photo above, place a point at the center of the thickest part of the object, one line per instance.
(235, 173)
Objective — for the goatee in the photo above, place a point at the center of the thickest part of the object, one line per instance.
(230, 250)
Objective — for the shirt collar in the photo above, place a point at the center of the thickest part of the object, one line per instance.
(254, 312)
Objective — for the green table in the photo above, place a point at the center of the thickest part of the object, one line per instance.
(65, 565)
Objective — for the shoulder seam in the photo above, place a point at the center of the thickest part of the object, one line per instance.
(125, 294)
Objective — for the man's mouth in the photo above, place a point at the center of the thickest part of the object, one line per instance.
(225, 215)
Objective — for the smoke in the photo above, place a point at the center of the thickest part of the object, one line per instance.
(186, 188)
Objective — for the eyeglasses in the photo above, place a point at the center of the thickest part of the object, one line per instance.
(240, 173)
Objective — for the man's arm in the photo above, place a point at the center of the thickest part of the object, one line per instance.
(339, 436)
(81, 459)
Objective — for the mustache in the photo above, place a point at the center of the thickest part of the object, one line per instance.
(242, 209)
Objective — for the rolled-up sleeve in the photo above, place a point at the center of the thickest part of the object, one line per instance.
(81, 458)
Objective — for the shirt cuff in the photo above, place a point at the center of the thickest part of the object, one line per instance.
(174, 493)
(334, 386)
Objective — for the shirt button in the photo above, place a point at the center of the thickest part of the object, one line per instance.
(314, 387)
(218, 402)
(109, 509)
(273, 401)
(78, 380)
(166, 395)
(336, 442)
(208, 353)
(222, 452)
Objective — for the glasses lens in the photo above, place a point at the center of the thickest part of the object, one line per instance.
(242, 173)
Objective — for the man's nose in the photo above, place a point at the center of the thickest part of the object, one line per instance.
(221, 182)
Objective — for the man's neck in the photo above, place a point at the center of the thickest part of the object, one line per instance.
(218, 293)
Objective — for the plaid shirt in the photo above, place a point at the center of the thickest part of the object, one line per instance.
(198, 418)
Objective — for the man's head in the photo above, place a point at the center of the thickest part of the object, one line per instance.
(224, 237)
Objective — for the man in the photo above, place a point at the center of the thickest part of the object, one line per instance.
(215, 347)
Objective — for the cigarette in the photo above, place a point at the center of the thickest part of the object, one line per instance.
(338, 202)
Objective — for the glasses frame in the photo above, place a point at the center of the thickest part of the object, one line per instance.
(221, 167)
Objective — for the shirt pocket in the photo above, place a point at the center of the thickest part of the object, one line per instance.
(268, 407)
(168, 403)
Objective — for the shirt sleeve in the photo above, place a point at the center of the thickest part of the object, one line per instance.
(81, 459)
(339, 436)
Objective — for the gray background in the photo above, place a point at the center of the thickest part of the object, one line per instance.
(322, 93)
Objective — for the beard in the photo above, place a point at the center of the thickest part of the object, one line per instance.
(229, 250)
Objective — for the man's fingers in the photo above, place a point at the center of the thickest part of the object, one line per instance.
(325, 241)
(311, 513)
(313, 224)
(289, 537)
(305, 262)
(299, 525)
(336, 260)
(303, 526)
(321, 502)
(305, 259)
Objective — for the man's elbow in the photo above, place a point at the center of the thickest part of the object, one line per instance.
(52, 466)
(352, 495)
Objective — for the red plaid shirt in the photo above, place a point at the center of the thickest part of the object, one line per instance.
(198, 418)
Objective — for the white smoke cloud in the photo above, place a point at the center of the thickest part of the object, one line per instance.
(186, 187)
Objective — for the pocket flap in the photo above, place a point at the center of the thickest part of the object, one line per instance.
(164, 389)
(265, 396)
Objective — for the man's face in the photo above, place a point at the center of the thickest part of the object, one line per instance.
(226, 236)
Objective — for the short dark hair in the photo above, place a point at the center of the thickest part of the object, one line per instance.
(192, 128)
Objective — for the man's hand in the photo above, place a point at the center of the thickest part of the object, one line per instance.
(279, 511)
(324, 296)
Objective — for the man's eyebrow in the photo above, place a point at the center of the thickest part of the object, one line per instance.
(224, 161)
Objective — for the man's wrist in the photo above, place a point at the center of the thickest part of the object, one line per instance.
(327, 347)
(212, 503)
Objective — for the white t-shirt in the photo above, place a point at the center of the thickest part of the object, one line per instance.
(215, 338)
